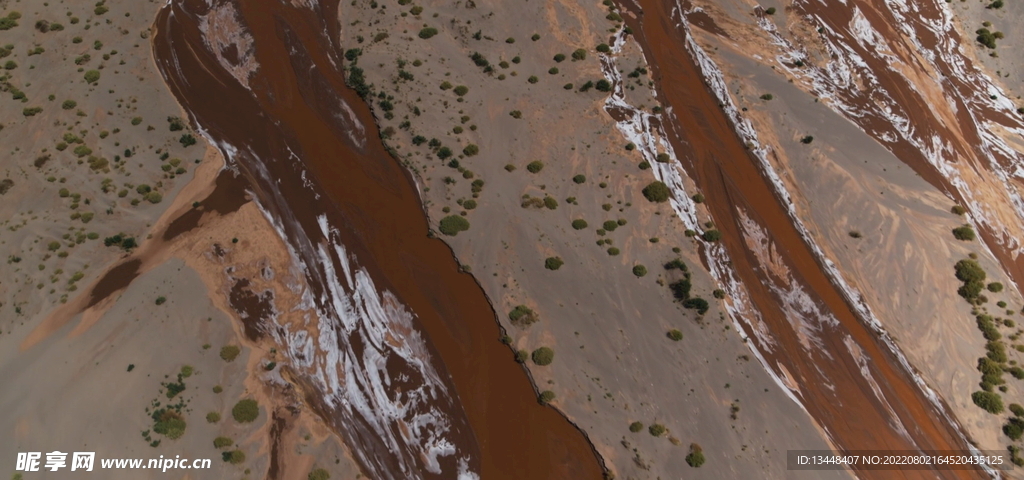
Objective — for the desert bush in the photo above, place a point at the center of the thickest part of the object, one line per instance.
(554, 71)
(656, 429)
(453, 224)
(656, 191)
(233, 457)
(579, 224)
(543, 356)
(674, 335)
(245, 411)
(767, 96)
(221, 442)
(1014, 428)
(169, 424)
(964, 233)
(444, 152)
(533, 79)
(553, 263)
(559, 57)
(579, 54)
(69, 104)
(639, 270)
(578, 179)
(636, 427)
(696, 456)
(470, 150)
(161, 300)
(712, 235)
(461, 90)
(213, 417)
(535, 166)
(697, 303)
(958, 210)
(603, 85)
(770, 11)
(522, 316)
(603, 48)
(995, 287)
(427, 32)
(318, 474)
(92, 76)
(1017, 410)
(718, 293)
(986, 38)
(522, 356)
(988, 401)
(229, 352)
(680, 289)
(31, 111)
(610, 225)
(613, 251)
(546, 397)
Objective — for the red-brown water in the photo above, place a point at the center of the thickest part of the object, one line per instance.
(848, 380)
(309, 149)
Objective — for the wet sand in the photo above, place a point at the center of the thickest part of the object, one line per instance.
(859, 395)
(301, 116)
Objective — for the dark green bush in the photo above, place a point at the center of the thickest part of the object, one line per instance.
(470, 150)
(698, 198)
(663, 158)
(610, 225)
(657, 192)
(698, 304)
(657, 429)
(229, 352)
(603, 85)
(639, 270)
(1017, 410)
(461, 90)
(696, 456)
(546, 397)
(221, 442)
(988, 401)
(245, 411)
(559, 57)
(1014, 428)
(453, 224)
(995, 287)
(807, 140)
(579, 179)
(681, 289)
(533, 79)
(579, 54)
(535, 166)
(603, 48)
(675, 335)
(428, 32)
(964, 233)
(233, 457)
(92, 76)
(958, 210)
(636, 427)
(712, 235)
(579, 224)
(770, 11)
(543, 356)
(553, 263)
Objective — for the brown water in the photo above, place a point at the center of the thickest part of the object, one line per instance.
(858, 410)
(306, 159)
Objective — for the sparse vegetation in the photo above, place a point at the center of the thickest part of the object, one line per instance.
(657, 192)
(453, 224)
(964, 233)
(696, 456)
(522, 316)
(543, 356)
(675, 335)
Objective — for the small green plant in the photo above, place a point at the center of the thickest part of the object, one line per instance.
(535, 166)
(579, 54)
(675, 335)
(767, 96)
(656, 429)
(712, 235)
(229, 352)
(636, 427)
(696, 456)
(522, 316)
(656, 191)
(461, 90)
(995, 287)
(543, 356)
(964, 233)
(578, 179)
(958, 210)
(233, 457)
(553, 263)
(318, 474)
(533, 79)
(92, 76)
(697, 303)
(222, 442)
(579, 224)
(245, 411)
(161, 300)
(546, 397)
(453, 224)
(639, 270)
(988, 401)
(807, 140)
(470, 150)
(770, 11)
(427, 32)
(603, 48)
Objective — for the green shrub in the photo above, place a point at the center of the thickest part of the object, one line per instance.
(169, 424)
(696, 456)
(964, 233)
(543, 356)
(535, 166)
(579, 54)
(770, 11)
(636, 427)
(613, 251)
(968, 270)
(712, 236)
(187, 140)
(31, 111)
(470, 150)
(995, 287)
(554, 71)
(428, 32)
(553, 263)
(535, 37)
(233, 457)
(958, 210)
(603, 48)
(807, 140)
(610, 225)
(988, 401)
(603, 85)
(1014, 429)
(698, 198)
(221, 442)
(92, 76)
(522, 316)
(533, 79)
(245, 411)
(461, 90)
(7, 23)
(318, 474)
(639, 270)
(767, 96)
(986, 38)
(656, 429)
(1017, 410)
(656, 191)
(229, 352)
(718, 293)
(69, 104)
(161, 300)
(579, 224)
(697, 303)
(453, 224)
(546, 397)
(579, 179)
(213, 417)
(675, 335)
(522, 356)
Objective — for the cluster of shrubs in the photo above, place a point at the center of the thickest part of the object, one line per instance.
(453, 224)
(681, 289)
(522, 316)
